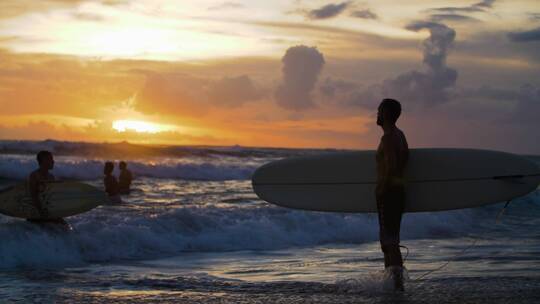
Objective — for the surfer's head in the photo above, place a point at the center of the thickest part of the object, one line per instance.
(389, 110)
(122, 165)
(108, 169)
(45, 159)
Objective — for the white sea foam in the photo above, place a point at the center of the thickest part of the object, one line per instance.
(111, 233)
(372, 282)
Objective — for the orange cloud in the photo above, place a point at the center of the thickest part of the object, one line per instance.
(61, 85)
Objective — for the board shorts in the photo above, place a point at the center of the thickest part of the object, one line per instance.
(390, 207)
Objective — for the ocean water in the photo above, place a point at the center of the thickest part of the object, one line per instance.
(193, 231)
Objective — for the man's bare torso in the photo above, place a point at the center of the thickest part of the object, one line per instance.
(392, 157)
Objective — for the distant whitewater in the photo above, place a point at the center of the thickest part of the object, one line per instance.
(84, 161)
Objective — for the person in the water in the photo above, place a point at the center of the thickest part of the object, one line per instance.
(392, 156)
(110, 182)
(125, 179)
(37, 182)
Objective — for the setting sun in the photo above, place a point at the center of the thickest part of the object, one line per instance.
(140, 126)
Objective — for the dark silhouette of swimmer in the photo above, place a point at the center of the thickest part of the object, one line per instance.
(37, 183)
(125, 178)
(392, 156)
(110, 182)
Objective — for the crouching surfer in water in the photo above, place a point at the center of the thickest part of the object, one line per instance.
(125, 178)
(111, 184)
(392, 155)
(37, 183)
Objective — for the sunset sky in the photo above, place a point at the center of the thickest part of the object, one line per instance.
(271, 73)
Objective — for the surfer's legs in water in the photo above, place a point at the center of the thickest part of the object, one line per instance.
(390, 205)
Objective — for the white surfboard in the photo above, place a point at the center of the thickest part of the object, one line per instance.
(436, 179)
(61, 199)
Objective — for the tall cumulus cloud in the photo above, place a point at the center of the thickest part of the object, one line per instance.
(426, 87)
(301, 68)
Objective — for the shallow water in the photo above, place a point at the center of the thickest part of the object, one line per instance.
(205, 237)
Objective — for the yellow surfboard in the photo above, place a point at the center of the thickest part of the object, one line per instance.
(61, 199)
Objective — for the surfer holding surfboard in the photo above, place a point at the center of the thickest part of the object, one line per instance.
(437, 179)
(392, 156)
(36, 183)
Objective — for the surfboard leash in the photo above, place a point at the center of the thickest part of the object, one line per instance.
(473, 243)
(497, 219)
(407, 254)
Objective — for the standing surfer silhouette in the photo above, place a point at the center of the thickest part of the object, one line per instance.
(392, 156)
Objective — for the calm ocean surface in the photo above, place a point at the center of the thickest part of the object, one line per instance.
(194, 231)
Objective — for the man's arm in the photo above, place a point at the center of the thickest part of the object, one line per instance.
(406, 148)
(33, 183)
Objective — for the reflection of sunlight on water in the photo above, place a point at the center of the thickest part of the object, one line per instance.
(125, 293)
(300, 264)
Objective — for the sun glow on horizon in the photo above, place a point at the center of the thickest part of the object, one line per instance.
(140, 126)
